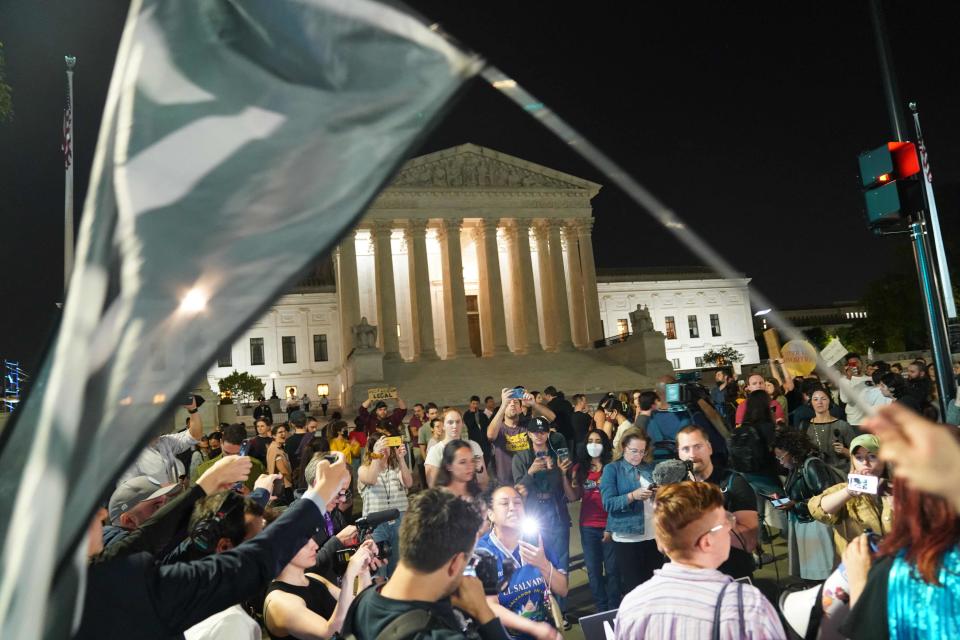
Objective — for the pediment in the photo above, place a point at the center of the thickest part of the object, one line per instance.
(471, 166)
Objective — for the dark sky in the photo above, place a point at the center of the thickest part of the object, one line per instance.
(745, 118)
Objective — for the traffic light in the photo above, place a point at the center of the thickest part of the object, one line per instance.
(891, 189)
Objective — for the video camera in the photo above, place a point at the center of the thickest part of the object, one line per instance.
(365, 527)
(483, 565)
(685, 392)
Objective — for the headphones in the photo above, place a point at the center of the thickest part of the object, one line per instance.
(207, 532)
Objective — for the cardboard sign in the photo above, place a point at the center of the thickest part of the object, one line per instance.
(833, 352)
(773, 343)
(382, 393)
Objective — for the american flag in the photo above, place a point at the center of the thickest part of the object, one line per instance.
(66, 142)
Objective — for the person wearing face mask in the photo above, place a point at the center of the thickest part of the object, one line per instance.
(852, 512)
(810, 551)
(627, 491)
(598, 553)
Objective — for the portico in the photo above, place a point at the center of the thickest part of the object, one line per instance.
(471, 252)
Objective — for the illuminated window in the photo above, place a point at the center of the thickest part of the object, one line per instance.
(670, 329)
(622, 327)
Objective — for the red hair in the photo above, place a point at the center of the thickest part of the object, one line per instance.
(926, 526)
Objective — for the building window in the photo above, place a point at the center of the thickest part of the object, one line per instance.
(670, 328)
(676, 363)
(715, 325)
(289, 347)
(320, 347)
(225, 359)
(622, 327)
(256, 351)
(694, 327)
(698, 361)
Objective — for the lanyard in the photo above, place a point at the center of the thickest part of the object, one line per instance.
(499, 545)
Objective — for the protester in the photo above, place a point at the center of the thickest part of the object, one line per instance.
(910, 591)
(563, 415)
(522, 605)
(810, 551)
(291, 444)
(133, 502)
(159, 459)
(368, 422)
(646, 405)
(854, 372)
(689, 597)
(257, 446)
(831, 435)
(436, 542)
(718, 393)
(339, 440)
(507, 431)
(751, 454)
(581, 422)
(279, 462)
(453, 430)
(215, 439)
(304, 605)
(336, 532)
(383, 480)
(774, 390)
(424, 435)
(614, 414)
(476, 423)
(850, 512)
(738, 498)
(233, 437)
(919, 384)
(300, 476)
(627, 493)
(129, 594)
(757, 382)
(599, 555)
(200, 455)
(458, 471)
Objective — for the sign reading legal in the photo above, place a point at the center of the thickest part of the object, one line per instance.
(381, 393)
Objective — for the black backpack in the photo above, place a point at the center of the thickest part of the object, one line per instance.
(747, 449)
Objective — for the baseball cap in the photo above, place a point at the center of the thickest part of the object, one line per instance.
(298, 418)
(539, 424)
(380, 404)
(134, 491)
(868, 441)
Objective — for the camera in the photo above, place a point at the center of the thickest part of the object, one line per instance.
(483, 566)
(383, 551)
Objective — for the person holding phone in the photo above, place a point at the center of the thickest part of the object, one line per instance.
(810, 551)
(383, 481)
(849, 511)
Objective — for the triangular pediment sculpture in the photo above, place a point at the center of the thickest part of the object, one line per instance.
(473, 166)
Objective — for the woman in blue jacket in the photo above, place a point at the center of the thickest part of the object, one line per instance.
(627, 492)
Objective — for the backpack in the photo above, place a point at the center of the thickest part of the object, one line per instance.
(748, 451)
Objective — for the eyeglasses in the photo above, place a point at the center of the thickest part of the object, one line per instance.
(730, 520)
(636, 452)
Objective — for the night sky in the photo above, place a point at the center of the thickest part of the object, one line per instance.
(745, 118)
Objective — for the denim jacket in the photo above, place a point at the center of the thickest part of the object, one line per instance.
(620, 478)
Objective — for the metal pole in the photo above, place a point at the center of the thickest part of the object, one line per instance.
(68, 139)
(934, 219)
(933, 313)
(890, 90)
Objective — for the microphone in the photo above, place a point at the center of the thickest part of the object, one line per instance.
(377, 518)
(669, 472)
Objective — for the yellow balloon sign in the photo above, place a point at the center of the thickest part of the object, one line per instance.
(799, 357)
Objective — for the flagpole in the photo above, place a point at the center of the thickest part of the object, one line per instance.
(67, 148)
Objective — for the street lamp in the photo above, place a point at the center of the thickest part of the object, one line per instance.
(273, 380)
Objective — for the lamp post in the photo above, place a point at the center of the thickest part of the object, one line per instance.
(273, 381)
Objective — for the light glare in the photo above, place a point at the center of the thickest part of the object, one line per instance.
(194, 302)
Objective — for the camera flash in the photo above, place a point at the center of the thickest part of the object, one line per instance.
(530, 527)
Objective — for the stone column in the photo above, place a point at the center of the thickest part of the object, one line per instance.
(348, 290)
(454, 297)
(493, 327)
(525, 328)
(421, 308)
(561, 305)
(578, 315)
(589, 270)
(541, 234)
(386, 294)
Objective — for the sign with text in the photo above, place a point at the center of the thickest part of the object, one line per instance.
(833, 352)
(382, 393)
(799, 357)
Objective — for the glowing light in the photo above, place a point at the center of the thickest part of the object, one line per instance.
(126, 402)
(194, 302)
(884, 177)
(762, 312)
(530, 527)
(505, 84)
(323, 389)
(159, 398)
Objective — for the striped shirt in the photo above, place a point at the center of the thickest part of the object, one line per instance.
(679, 602)
(388, 493)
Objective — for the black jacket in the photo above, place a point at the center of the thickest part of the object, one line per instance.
(477, 430)
(806, 481)
(130, 595)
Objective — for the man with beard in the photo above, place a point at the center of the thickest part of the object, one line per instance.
(508, 431)
(693, 445)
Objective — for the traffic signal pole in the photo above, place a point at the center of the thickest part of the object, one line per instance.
(918, 227)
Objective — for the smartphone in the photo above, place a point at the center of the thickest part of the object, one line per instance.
(779, 501)
(863, 484)
(518, 393)
(563, 453)
(278, 487)
(394, 441)
(244, 446)
(540, 454)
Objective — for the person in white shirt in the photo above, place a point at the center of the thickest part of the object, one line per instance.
(854, 372)
(452, 430)
(159, 459)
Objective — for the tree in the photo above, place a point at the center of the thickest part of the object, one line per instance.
(6, 93)
(242, 386)
(721, 356)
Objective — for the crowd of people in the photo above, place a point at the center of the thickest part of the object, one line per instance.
(450, 521)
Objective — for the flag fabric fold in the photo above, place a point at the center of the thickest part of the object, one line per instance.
(240, 140)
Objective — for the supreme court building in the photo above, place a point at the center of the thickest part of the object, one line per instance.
(469, 260)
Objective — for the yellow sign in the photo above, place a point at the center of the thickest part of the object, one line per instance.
(382, 393)
(799, 357)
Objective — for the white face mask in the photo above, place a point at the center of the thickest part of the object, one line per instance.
(594, 449)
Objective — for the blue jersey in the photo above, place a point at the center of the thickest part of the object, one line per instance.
(525, 593)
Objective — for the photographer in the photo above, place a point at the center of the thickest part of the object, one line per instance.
(436, 540)
(383, 482)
